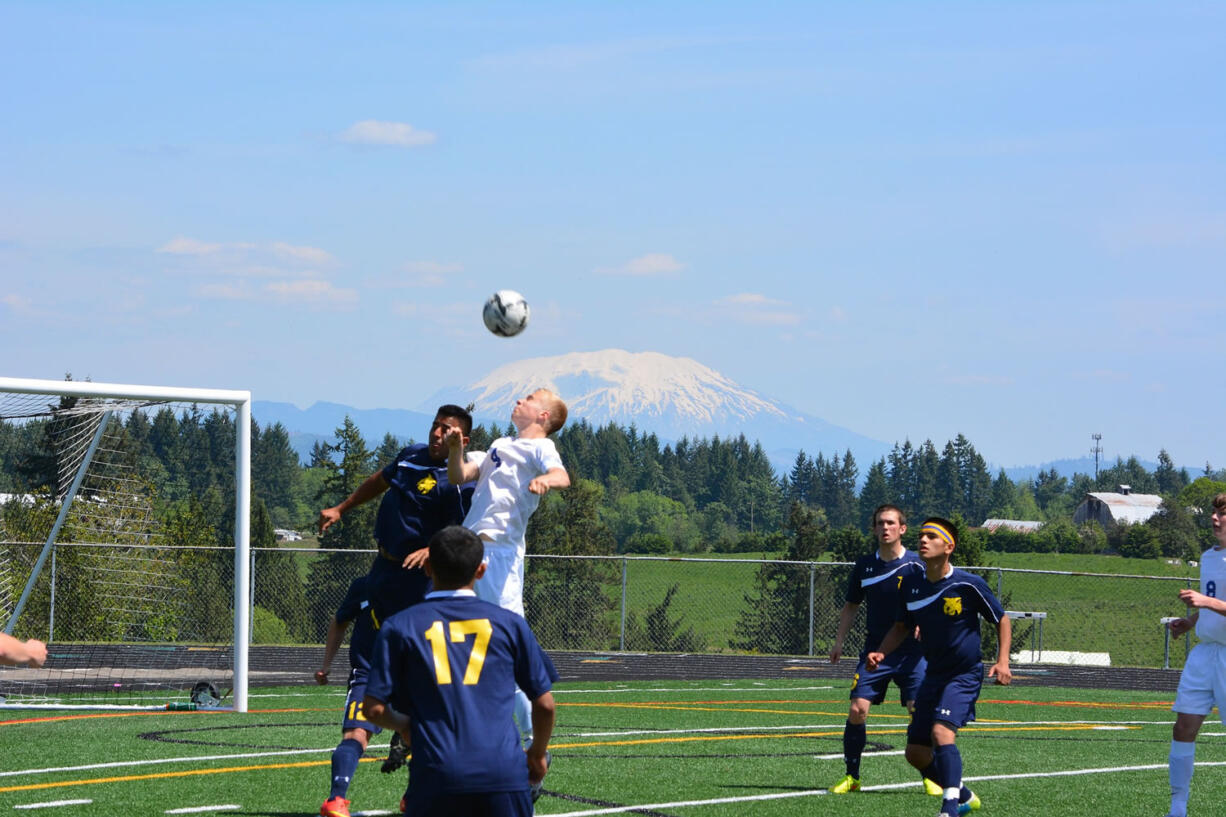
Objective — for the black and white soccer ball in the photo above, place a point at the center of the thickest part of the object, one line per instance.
(505, 313)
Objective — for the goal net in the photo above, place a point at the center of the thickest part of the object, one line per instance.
(124, 543)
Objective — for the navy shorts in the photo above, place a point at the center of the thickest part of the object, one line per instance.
(479, 804)
(354, 717)
(949, 699)
(906, 671)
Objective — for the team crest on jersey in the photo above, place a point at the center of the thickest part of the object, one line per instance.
(426, 484)
(953, 606)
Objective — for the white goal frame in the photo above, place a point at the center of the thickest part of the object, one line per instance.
(241, 402)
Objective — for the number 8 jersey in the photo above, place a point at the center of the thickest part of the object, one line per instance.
(1211, 626)
(451, 663)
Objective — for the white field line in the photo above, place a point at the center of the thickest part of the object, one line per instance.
(121, 764)
(758, 798)
(558, 692)
(55, 803)
(201, 809)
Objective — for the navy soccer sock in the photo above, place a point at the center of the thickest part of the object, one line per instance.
(344, 763)
(947, 762)
(855, 738)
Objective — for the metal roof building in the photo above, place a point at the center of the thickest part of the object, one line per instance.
(1122, 508)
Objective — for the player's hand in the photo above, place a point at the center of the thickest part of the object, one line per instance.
(537, 767)
(416, 559)
(539, 486)
(836, 652)
(1001, 672)
(1180, 626)
(327, 517)
(453, 437)
(873, 660)
(38, 652)
(1193, 598)
(321, 677)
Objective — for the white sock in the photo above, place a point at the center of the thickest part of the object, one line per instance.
(1181, 762)
(523, 717)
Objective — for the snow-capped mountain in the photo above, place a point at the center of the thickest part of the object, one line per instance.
(670, 396)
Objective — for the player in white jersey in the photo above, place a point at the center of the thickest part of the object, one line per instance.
(1203, 681)
(511, 479)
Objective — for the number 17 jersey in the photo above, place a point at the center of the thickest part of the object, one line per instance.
(451, 663)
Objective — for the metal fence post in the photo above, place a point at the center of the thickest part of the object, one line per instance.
(51, 617)
(622, 641)
(812, 606)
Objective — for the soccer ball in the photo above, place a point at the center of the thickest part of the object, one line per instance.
(505, 313)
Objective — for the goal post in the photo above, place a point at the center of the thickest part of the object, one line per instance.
(140, 602)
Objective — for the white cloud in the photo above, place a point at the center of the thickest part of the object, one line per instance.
(756, 309)
(226, 291)
(311, 291)
(748, 299)
(388, 134)
(309, 255)
(181, 245)
(656, 263)
(429, 273)
(17, 303)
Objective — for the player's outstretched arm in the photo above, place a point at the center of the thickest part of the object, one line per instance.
(1200, 601)
(336, 634)
(846, 617)
(374, 485)
(543, 711)
(15, 652)
(553, 479)
(1004, 637)
(459, 470)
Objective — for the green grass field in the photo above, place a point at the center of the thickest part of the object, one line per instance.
(696, 749)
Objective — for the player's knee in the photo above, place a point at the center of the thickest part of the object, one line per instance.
(918, 755)
(858, 713)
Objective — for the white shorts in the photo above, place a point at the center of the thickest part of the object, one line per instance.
(1203, 681)
(503, 582)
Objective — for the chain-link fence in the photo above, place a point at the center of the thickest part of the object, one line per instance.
(629, 603)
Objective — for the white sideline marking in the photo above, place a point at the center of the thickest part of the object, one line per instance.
(200, 809)
(156, 761)
(54, 803)
(774, 692)
(758, 798)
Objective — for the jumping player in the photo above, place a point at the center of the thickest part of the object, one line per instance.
(1202, 684)
(356, 730)
(447, 670)
(417, 501)
(946, 603)
(876, 578)
(511, 479)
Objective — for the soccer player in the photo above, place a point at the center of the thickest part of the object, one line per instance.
(446, 670)
(417, 501)
(356, 730)
(946, 604)
(15, 652)
(1203, 680)
(511, 479)
(876, 578)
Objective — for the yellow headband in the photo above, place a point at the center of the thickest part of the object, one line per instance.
(940, 530)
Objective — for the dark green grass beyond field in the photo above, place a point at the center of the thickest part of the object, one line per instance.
(696, 749)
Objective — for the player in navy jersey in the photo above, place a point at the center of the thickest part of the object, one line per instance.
(876, 579)
(356, 730)
(946, 604)
(417, 502)
(444, 674)
(1202, 684)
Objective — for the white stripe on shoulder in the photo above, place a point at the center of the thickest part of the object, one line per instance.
(876, 579)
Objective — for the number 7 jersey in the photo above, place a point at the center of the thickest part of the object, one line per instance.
(452, 663)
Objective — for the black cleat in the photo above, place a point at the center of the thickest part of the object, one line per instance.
(397, 754)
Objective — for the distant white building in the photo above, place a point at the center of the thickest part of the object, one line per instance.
(1018, 525)
(284, 535)
(1122, 507)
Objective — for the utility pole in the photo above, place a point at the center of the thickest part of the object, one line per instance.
(1096, 450)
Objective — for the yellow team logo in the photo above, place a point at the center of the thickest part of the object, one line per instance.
(953, 606)
(426, 484)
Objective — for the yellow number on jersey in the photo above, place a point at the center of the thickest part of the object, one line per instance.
(460, 630)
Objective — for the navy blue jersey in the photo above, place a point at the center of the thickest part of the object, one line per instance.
(451, 663)
(356, 608)
(947, 612)
(419, 502)
(880, 582)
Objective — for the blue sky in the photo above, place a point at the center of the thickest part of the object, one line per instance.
(911, 219)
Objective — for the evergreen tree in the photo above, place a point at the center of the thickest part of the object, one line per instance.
(876, 492)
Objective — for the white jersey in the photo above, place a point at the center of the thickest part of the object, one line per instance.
(1211, 626)
(502, 503)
